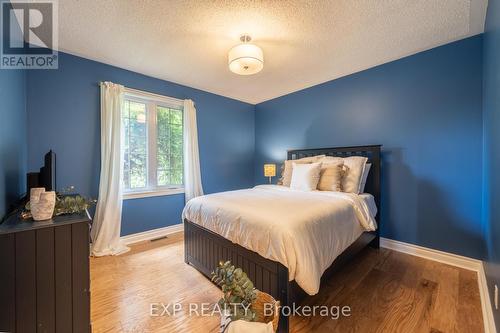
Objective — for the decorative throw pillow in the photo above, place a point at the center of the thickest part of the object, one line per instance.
(354, 165)
(305, 177)
(353, 168)
(287, 172)
(282, 171)
(331, 176)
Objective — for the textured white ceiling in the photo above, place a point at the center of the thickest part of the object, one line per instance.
(304, 42)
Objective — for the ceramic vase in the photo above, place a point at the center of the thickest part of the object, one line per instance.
(42, 203)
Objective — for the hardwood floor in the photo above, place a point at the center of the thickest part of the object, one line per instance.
(387, 291)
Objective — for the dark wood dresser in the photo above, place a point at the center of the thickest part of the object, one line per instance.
(44, 275)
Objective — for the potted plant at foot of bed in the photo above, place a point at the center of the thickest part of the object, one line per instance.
(244, 307)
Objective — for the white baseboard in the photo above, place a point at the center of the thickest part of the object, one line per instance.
(431, 254)
(489, 320)
(152, 234)
(453, 260)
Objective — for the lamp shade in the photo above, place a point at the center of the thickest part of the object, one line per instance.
(246, 59)
(269, 170)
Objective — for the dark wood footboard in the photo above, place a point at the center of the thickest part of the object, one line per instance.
(204, 249)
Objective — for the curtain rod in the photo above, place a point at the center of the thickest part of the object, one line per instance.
(149, 94)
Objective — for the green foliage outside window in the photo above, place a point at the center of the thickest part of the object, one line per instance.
(169, 152)
(169, 145)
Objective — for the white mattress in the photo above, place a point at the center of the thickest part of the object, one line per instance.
(305, 231)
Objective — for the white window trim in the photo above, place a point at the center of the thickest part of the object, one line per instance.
(159, 100)
(143, 95)
(159, 192)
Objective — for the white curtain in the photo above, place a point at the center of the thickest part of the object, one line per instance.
(107, 221)
(192, 174)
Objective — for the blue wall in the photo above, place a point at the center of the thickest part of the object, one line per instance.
(12, 137)
(63, 115)
(426, 111)
(491, 114)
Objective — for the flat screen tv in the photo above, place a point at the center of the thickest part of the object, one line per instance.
(46, 177)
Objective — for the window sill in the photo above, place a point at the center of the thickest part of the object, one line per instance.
(154, 193)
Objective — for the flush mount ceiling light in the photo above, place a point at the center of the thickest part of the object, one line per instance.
(246, 58)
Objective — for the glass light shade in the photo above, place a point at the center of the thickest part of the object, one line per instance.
(269, 170)
(246, 59)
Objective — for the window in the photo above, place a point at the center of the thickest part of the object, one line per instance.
(153, 145)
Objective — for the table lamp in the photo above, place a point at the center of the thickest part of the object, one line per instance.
(269, 171)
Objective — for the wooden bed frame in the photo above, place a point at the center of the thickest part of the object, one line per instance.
(204, 248)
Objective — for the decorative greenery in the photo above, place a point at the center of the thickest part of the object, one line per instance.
(239, 292)
(67, 203)
(72, 204)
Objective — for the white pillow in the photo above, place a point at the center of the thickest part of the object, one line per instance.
(330, 178)
(355, 165)
(366, 171)
(286, 177)
(305, 177)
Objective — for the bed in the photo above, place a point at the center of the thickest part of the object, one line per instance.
(266, 238)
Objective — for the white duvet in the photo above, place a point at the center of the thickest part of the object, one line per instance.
(305, 231)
